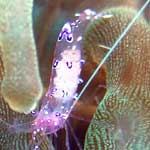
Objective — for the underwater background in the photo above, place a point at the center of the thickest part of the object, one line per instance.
(118, 96)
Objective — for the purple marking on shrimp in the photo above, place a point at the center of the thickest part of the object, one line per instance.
(69, 65)
(53, 91)
(66, 33)
(55, 63)
(82, 61)
(80, 81)
(64, 93)
(69, 38)
(62, 34)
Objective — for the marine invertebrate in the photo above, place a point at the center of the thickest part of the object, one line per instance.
(123, 114)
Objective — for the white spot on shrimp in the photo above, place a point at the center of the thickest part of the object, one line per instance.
(79, 38)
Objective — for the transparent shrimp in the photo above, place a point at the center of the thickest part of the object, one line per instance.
(61, 96)
(65, 76)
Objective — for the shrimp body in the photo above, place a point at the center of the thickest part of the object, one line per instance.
(65, 77)
(61, 95)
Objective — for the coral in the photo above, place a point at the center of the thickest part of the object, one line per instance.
(21, 85)
(123, 115)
